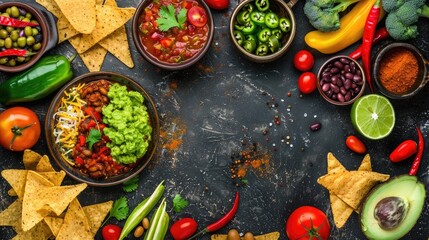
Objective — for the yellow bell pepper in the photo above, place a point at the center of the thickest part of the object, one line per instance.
(351, 30)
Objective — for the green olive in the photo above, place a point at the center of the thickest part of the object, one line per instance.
(8, 43)
(9, 29)
(28, 15)
(5, 14)
(14, 35)
(14, 12)
(28, 31)
(1, 42)
(14, 44)
(20, 59)
(25, 19)
(30, 41)
(8, 11)
(3, 60)
(12, 62)
(22, 41)
(3, 33)
(35, 31)
(37, 46)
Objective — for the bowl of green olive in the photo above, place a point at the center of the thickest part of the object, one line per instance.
(262, 30)
(26, 33)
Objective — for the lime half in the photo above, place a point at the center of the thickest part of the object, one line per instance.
(373, 116)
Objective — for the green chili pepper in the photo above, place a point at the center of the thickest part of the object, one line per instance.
(142, 210)
(264, 35)
(249, 7)
(273, 44)
(284, 24)
(278, 33)
(271, 20)
(249, 28)
(238, 27)
(157, 225)
(249, 46)
(262, 50)
(258, 18)
(262, 5)
(251, 37)
(243, 17)
(239, 37)
(46, 76)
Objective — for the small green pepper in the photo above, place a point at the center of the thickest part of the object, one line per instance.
(251, 37)
(264, 35)
(249, 28)
(238, 27)
(262, 49)
(271, 20)
(243, 17)
(273, 44)
(278, 33)
(258, 18)
(239, 37)
(284, 24)
(158, 223)
(249, 46)
(249, 7)
(262, 5)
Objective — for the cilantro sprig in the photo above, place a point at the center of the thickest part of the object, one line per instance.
(93, 137)
(119, 209)
(168, 19)
(131, 185)
(179, 203)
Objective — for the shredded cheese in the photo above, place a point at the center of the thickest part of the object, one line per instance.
(67, 119)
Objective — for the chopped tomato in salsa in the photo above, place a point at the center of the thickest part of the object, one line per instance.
(176, 44)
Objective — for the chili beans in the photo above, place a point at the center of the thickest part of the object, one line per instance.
(341, 79)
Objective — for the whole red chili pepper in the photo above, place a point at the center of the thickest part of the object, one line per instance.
(379, 35)
(368, 36)
(419, 154)
(16, 52)
(12, 22)
(221, 222)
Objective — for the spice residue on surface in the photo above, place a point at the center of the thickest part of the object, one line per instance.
(171, 136)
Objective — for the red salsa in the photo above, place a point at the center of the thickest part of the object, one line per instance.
(173, 36)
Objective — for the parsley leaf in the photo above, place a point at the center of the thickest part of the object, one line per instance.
(131, 185)
(93, 137)
(167, 18)
(179, 203)
(119, 209)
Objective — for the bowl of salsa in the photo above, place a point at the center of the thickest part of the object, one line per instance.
(102, 128)
(172, 34)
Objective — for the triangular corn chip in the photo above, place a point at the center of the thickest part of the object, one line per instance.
(80, 13)
(75, 225)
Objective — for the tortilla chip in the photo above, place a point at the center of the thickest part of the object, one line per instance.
(65, 29)
(11, 193)
(117, 44)
(51, 6)
(54, 223)
(108, 20)
(365, 165)
(80, 13)
(11, 216)
(75, 225)
(40, 231)
(267, 236)
(31, 159)
(16, 179)
(96, 214)
(44, 165)
(54, 177)
(351, 186)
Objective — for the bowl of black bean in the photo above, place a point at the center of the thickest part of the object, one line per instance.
(26, 33)
(341, 80)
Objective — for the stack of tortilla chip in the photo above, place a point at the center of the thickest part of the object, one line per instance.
(93, 28)
(346, 188)
(44, 208)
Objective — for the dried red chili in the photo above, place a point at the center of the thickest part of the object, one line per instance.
(221, 222)
(13, 22)
(379, 35)
(16, 52)
(417, 159)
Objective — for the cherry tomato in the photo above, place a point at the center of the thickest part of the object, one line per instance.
(111, 232)
(355, 144)
(19, 128)
(197, 16)
(308, 223)
(217, 4)
(307, 82)
(183, 229)
(403, 151)
(303, 60)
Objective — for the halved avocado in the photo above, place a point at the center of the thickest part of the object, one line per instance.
(392, 209)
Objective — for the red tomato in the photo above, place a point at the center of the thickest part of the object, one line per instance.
(403, 151)
(307, 82)
(111, 232)
(303, 60)
(19, 128)
(355, 144)
(217, 4)
(183, 229)
(308, 223)
(197, 16)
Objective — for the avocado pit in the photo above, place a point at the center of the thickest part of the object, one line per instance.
(390, 212)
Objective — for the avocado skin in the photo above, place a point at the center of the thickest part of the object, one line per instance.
(404, 186)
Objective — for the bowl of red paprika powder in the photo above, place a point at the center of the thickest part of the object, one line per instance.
(400, 70)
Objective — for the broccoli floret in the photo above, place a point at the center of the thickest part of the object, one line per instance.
(401, 22)
(324, 14)
(398, 30)
(391, 5)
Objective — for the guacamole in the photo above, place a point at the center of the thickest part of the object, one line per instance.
(128, 125)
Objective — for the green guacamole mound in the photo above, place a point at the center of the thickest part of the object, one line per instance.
(127, 123)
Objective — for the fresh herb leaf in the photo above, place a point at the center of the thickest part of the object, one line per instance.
(119, 209)
(167, 18)
(93, 137)
(179, 203)
(245, 181)
(131, 185)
